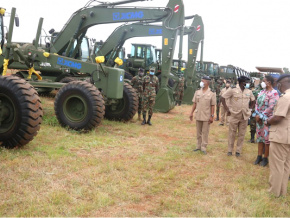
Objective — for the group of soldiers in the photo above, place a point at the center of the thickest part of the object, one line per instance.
(237, 103)
(146, 87)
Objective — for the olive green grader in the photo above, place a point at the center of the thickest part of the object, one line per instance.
(81, 105)
(20, 107)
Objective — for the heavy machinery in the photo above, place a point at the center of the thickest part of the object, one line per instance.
(20, 107)
(144, 55)
(75, 109)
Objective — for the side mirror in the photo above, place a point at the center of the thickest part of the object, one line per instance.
(17, 21)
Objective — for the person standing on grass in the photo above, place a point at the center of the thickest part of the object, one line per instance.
(137, 83)
(223, 112)
(266, 100)
(239, 100)
(204, 102)
(279, 158)
(150, 88)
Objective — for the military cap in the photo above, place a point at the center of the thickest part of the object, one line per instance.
(206, 78)
(152, 69)
(141, 70)
(243, 79)
(283, 76)
(229, 81)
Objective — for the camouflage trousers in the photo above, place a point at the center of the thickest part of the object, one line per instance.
(148, 104)
(217, 107)
(179, 95)
(253, 124)
(140, 103)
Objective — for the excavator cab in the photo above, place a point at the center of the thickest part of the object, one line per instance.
(142, 55)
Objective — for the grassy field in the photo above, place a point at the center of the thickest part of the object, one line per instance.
(125, 169)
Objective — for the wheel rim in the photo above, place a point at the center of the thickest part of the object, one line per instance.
(75, 108)
(7, 114)
(119, 106)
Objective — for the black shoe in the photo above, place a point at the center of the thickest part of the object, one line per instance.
(204, 152)
(258, 160)
(197, 149)
(144, 119)
(238, 154)
(230, 153)
(148, 121)
(264, 162)
(221, 124)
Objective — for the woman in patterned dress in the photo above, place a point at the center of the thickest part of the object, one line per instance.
(267, 99)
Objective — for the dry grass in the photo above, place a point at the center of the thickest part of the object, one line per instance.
(125, 169)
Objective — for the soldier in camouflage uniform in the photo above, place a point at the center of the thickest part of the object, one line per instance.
(217, 89)
(253, 119)
(180, 89)
(137, 83)
(150, 88)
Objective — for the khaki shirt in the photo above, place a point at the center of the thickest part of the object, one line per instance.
(221, 93)
(280, 132)
(203, 101)
(239, 103)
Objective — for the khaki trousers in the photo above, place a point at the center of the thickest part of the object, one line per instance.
(202, 131)
(279, 163)
(241, 127)
(224, 117)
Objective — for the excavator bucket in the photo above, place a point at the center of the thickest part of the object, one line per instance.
(171, 25)
(195, 35)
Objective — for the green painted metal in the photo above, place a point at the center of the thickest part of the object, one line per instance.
(195, 36)
(75, 108)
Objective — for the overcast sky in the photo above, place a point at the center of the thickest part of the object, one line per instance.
(244, 33)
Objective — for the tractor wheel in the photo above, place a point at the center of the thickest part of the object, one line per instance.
(126, 107)
(67, 79)
(20, 112)
(79, 105)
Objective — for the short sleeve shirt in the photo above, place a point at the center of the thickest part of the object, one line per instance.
(280, 132)
(239, 102)
(203, 101)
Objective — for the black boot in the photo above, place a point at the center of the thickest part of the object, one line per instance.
(144, 119)
(264, 162)
(148, 121)
(179, 103)
(259, 159)
(253, 132)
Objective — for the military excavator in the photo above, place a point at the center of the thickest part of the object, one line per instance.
(144, 55)
(80, 105)
(20, 106)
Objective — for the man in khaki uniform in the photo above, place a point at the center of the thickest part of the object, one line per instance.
(239, 100)
(204, 102)
(279, 158)
(223, 111)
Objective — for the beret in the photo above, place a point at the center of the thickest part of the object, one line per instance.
(243, 78)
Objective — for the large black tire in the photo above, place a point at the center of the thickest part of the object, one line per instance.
(79, 105)
(170, 81)
(20, 112)
(127, 106)
(67, 79)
